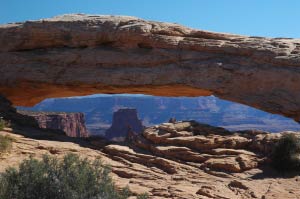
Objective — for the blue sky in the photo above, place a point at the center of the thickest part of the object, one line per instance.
(271, 18)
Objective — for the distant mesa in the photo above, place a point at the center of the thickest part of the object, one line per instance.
(124, 121)
(72, 124)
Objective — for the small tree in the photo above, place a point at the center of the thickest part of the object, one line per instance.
(50, 178)
(286, 154)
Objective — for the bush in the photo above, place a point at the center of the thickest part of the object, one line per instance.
(50, 178)
(2, 124)
(286, 154)
(5, 143)
(143, 196)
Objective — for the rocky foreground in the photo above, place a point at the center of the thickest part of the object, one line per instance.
(184, 160)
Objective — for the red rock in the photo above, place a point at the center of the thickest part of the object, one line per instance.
(124, 120)
(74, 55)
(73, 124)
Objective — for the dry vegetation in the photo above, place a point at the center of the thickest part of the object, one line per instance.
(53, 178)
(5, 143)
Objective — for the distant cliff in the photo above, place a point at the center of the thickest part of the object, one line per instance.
(124, 120)
(73, 124)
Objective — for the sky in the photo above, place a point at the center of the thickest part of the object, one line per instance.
(269, 18)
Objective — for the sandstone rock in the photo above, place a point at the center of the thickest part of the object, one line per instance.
(210, 192)
(74, 55)
(237, 184)
(183, 134)
(218, 152)
(232, 164)
(165, 171)
(198, 142)
(222, 151)
(248, 162)
(124, 120)
(72, 124)
(129, 154)
(178, 153)
(9, 113)
(265, 142)
(168, 127)
(226, 164)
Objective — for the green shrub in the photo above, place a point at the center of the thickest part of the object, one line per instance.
(286, 154)
(143, 196)
(5, 143)
(50, 178)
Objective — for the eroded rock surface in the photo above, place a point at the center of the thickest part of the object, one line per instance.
(210, 148)
(228, 165)
(73, 55)
(72, 124)
(206, 161)
(10, 114)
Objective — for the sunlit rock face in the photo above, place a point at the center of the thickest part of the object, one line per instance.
(73, 55)
(72, 124)
(185, 160)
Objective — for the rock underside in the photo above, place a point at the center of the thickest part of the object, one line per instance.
(10, 114)
(73, 55)
(182, 160)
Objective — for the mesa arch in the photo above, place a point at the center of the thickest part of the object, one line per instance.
(73, 55)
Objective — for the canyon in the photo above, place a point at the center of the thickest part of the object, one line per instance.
(72, 55)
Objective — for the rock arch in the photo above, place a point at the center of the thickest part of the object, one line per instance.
(73, 55)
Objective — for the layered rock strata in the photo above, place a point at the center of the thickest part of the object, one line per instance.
(73, 55)
(209, 148)
(201, 161)
(124, 120)
(72, 124)
(163, 162)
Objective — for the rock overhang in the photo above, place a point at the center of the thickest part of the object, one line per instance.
(73, 55)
